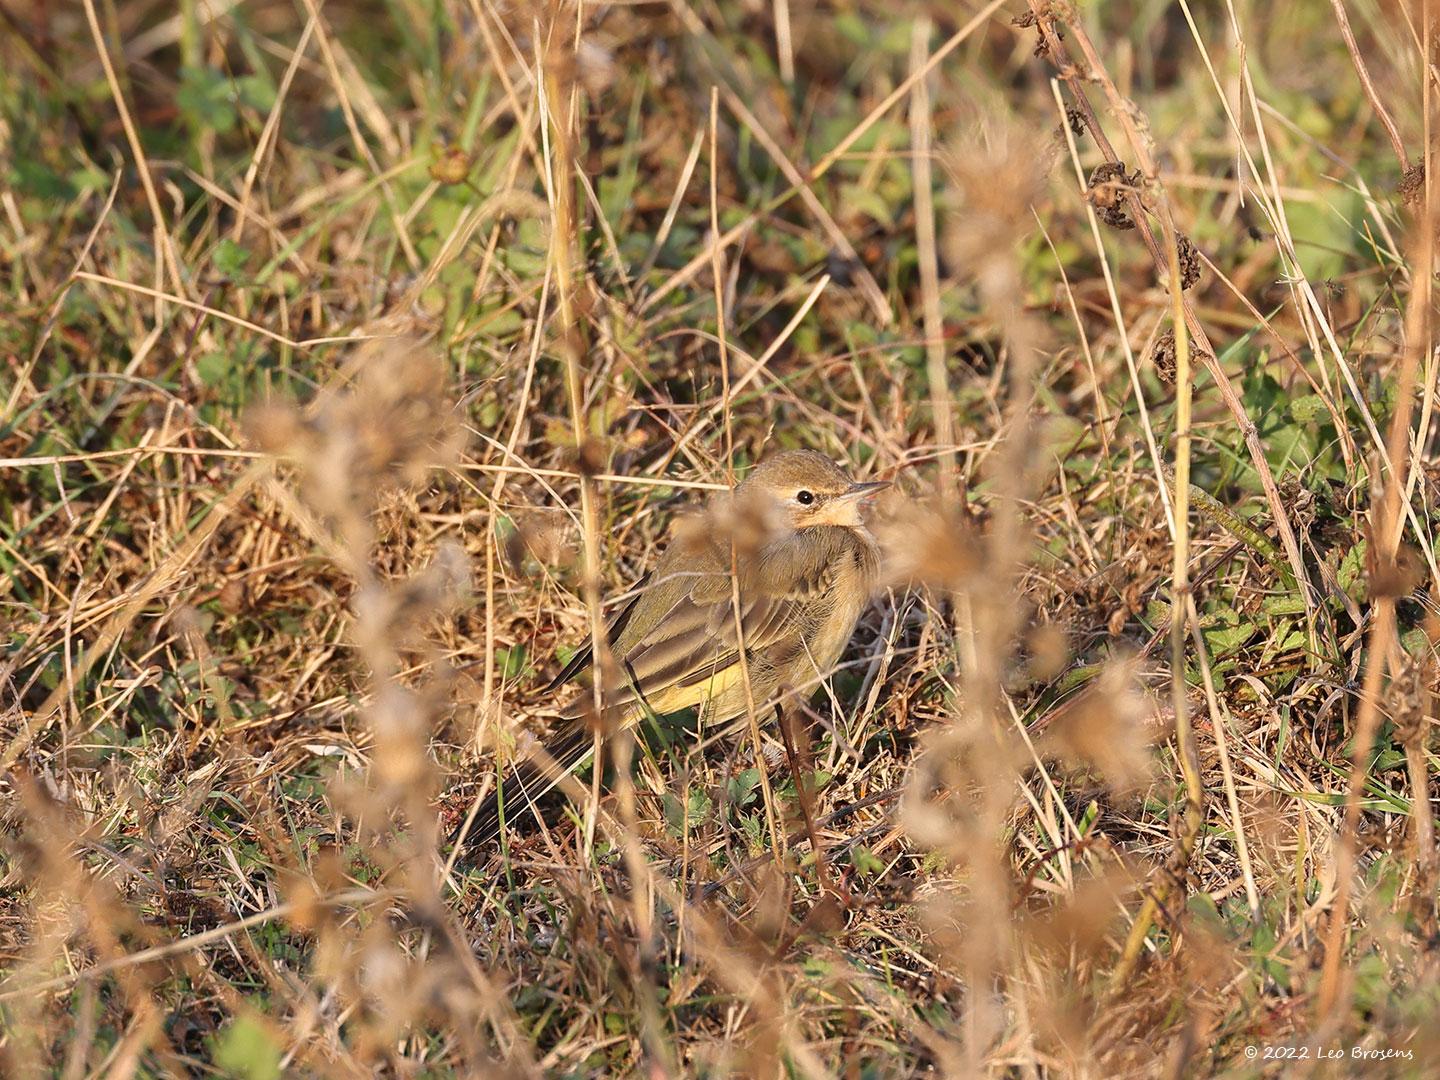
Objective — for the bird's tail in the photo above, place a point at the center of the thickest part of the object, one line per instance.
(524, 784)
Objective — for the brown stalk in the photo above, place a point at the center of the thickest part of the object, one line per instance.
(163, 238)
(798, 767)
(976, 741)
(563, 165)
(559, 165)
(1181, 600)
(1415, 738)
(921, 123)
(1183, 316)
(120, 961)
(1371, 94)
(328, 53)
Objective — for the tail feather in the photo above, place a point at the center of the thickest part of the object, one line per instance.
(524, 785)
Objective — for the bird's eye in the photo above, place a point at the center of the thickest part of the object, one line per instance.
(804, 498)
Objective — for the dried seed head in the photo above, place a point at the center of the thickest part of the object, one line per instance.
(1301, 504)
(1108, 191)
(1105, 728)
(398, 719)
(1412, 185)
(276, 428)
(1397, 577)
(450, 166)
(951, 790)
(1163, 357)
(744, 519)
(232, 597)
(387, 615)
(690, 533)
(388, 428)
(541, 534)
(938, 546)
(998, 179)
(1191, 265)
(1272, 820)
(1026, 20)
(592, 457)
(747, 519)
(1079, 926)
(595, 64)
(1412, 700)
(1049, 651)
(1074, 120)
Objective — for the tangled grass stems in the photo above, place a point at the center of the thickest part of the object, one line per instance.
(360, 358)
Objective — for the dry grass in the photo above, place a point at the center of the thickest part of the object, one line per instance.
(358, 356)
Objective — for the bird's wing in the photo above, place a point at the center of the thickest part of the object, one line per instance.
(584, 655)
(696, 639)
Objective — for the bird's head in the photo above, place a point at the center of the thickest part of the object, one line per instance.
(802, 488)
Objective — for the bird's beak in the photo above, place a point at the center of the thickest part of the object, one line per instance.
(861, 492)
(845, 509)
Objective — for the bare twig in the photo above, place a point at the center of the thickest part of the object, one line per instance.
(1371, 94)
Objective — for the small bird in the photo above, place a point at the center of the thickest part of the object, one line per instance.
(804, 566)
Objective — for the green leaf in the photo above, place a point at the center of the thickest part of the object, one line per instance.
(206, 99)
(816, 967)
(230, 258)
(213, 367)
(33, 178)
(510, 661)
(866, 862)
(1308, 409)
(1416, 641)
(1225, 640)
(88, 178)
(741, 790)
(1351, 575)
(1202, 906)
(246, 1049)
(256, 92)
(813, 782)
(1371, 976)
(868, 202)
(752, 828)
(1388, 759)
(853, 27)
(677, 814)
(1323, 233)
(1263, 395)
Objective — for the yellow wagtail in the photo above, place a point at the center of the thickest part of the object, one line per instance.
(790, 542)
